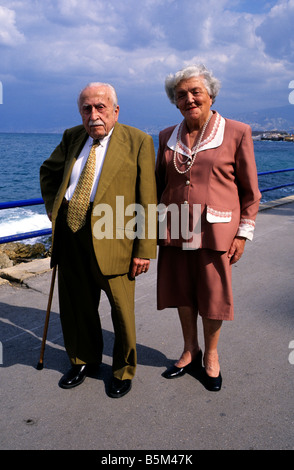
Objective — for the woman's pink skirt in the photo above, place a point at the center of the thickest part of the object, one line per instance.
(201, 279)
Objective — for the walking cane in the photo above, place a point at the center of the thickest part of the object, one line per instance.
(40, 363)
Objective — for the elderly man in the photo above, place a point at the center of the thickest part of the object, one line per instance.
(112, 162)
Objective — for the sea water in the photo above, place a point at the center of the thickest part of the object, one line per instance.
(21, 156)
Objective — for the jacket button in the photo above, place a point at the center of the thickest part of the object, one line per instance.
(186, 202)
(187, 182)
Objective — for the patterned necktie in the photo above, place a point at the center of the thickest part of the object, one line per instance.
(79, 203)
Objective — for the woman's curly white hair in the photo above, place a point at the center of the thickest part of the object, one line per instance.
(211, 83)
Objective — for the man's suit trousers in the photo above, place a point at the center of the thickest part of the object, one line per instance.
(80, 282)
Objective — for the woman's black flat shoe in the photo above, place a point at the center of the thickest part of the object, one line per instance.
(213, 384)
(175, 371)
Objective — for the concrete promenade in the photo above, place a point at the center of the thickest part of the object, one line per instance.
(254, 409)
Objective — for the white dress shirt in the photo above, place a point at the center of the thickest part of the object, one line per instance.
(81, 161)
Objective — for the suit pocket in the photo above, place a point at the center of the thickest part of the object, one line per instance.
(215, 216)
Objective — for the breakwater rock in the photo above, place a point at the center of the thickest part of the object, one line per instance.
(15, 252)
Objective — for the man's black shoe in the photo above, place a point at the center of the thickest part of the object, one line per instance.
(75, 376)
(119, 388)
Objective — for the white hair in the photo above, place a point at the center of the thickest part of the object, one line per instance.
(211, 83)
(98, 84)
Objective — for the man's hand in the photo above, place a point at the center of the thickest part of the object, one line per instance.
(138, 266)
(236, 250)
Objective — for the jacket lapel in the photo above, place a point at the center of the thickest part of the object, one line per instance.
(113, 161)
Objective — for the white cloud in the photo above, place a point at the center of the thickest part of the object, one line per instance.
(9, 34)
(276, 31)
(105, 36)
(136, 44)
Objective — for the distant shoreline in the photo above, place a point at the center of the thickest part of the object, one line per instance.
(273, 136)
(257, 135)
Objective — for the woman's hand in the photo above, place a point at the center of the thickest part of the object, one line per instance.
(236, 249)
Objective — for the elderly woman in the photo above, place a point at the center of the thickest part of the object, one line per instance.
(205, 162)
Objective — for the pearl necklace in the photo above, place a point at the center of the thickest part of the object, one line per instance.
(194, 149)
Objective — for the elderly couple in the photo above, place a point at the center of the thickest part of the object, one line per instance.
(206, 160)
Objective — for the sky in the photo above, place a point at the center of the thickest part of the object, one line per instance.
(49, 50)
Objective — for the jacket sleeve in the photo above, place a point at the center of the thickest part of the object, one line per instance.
(247, 182)
(51, 174)
(145, 246)
(160, 170)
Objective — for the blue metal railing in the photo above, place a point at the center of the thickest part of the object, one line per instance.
(45, 232)
(23, 236)
(279, 186)
(22, 203)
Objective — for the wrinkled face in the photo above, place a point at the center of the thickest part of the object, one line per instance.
(193, 100)
(97, 111)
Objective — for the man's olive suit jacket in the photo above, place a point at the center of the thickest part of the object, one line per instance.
(127, 177)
